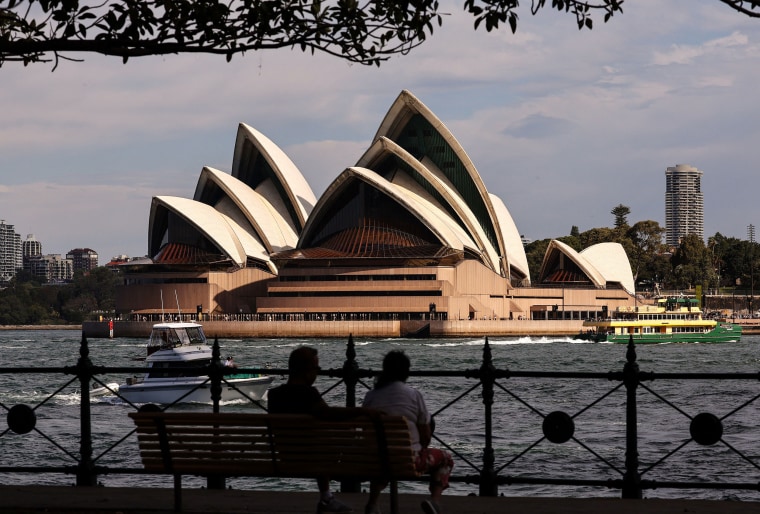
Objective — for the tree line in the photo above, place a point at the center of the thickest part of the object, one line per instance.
(722, 265)
(26, 301)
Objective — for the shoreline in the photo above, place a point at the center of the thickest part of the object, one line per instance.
(41, 327)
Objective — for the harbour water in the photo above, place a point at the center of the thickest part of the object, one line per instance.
(597, 405)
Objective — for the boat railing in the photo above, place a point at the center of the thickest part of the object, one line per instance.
(535, 429)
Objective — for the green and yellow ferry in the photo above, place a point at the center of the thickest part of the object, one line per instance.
(671, 320)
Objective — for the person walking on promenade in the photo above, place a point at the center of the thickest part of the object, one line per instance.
(299, 396)
(393, 396)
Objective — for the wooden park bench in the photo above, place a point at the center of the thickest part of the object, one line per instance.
(366, 447)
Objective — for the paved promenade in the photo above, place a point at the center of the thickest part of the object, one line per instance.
(113, 500)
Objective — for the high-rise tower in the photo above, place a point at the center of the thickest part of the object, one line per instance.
(31, 247)
(11, 259)
(684, 203)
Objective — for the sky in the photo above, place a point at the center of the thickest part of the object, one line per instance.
(563, 125)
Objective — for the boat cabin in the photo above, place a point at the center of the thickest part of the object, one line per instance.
(169, 335)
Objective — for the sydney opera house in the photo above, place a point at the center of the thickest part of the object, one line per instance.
(409, 232)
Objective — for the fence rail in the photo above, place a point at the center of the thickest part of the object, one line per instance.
(498, 461)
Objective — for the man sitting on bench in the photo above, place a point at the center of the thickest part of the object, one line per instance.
(392, 395)
(299, 396)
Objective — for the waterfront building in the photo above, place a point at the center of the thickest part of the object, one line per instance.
(83, 259)
(11, 256)
(410, 232)
(684, 203)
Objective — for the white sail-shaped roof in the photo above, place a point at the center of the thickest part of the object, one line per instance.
(426, 213)
(228, 237)
(276, 166)
(558, 247)
(267, 218)
(407, 123)
(435, 213)
(430, 178)
(512, 240)
(612, 262)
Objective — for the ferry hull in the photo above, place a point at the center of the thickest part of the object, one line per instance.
(170, 391)
(723, 333)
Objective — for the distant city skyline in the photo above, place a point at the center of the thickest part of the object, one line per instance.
(27, 254)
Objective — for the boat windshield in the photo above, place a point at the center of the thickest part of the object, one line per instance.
(168, 337)
(195, 335)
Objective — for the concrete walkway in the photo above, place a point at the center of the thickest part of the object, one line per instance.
(113, 500)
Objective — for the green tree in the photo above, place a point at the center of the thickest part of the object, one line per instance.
(367, 32)
(621, 213)
(691, 263)
(78, 308)
(645, 244)
(720, 249)
(26, 302)
(728, 255)
(101, 284)
(535, 252)
(597, 235)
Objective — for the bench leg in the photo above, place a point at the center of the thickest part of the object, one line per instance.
(394, 497)
(177, 493)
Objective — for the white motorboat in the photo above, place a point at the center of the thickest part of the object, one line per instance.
(183, 345)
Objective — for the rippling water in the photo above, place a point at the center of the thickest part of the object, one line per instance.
(598, 453)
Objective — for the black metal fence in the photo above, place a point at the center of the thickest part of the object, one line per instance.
(615, 467)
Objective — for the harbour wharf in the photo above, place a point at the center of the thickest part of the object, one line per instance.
(112, 500)
(365, 328)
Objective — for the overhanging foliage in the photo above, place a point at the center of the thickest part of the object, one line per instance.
(367, 32)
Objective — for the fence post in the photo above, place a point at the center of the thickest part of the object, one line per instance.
(488, 483)
(86, 475)
(631, 479)
(350, 379)
(350, 372)
(215, 373)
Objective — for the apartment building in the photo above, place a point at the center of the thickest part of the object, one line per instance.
(11, 257)
(684, 203)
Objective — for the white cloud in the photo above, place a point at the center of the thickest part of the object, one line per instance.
(687, 54)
